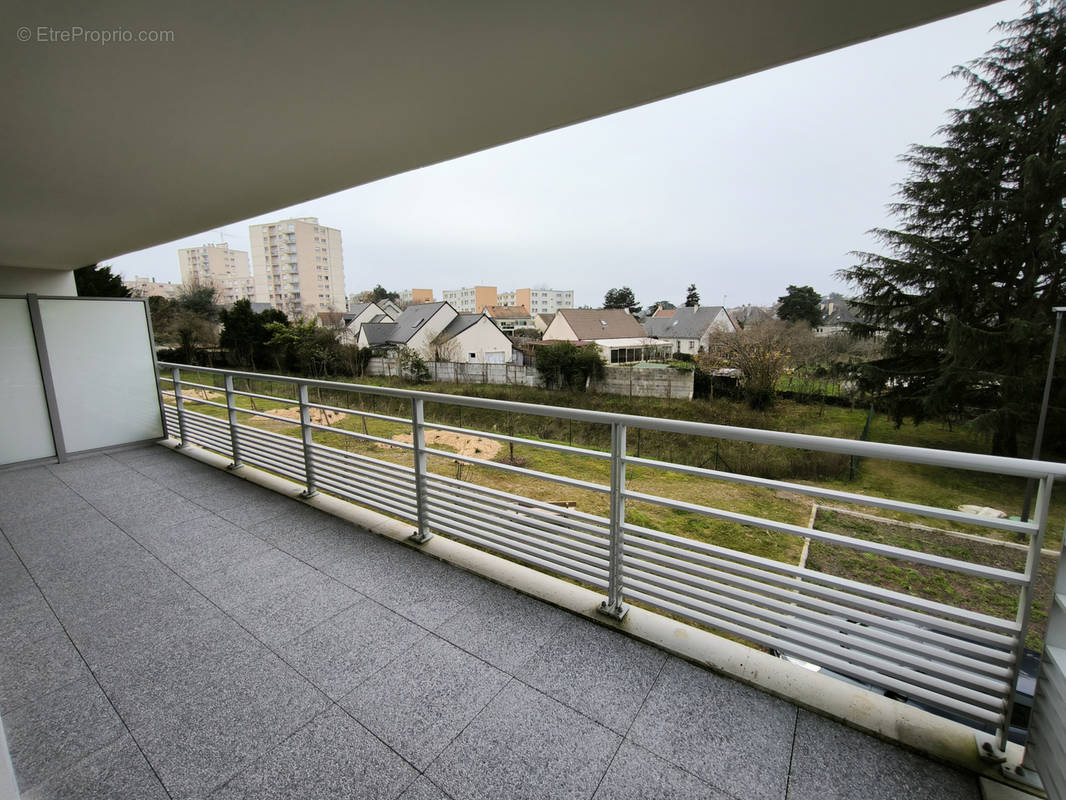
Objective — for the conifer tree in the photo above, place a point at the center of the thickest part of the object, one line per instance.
(964, 290)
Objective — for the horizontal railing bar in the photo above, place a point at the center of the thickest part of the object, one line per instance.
(211, 444)
(193, 418)
(398, 498)
(359, 413)
(288, 401)
(472, 493)
(786, 638)
(529, 473)
(387, 467)
(846, 585)
(872, 640)
(559, 448)
(846, 497)
(978, 462)
(262, 462)
(271, 446)
(533, 545)
(202, 430)
(268, 415)
(359, 468)
(555, 543)
(282, 440)
(406, 513)
(593, 521)
(982, 713)
(252, 452)
(384, 488)
(198, 429)
(862, 545)
(366, 437)
(507, 549)
(911, 636)
(266, 449)
(203, 402)
(206, 386)
(578, 539)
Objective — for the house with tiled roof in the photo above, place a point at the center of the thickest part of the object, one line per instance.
(360, 314)
(689, 329)
(620, 337)
(509, 317)
(437, 332)
(473, 339)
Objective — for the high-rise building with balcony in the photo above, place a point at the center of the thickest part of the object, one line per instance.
(218, 266)
(297, 266)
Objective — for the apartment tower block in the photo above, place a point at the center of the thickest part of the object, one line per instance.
(297, 266)
(218, 266)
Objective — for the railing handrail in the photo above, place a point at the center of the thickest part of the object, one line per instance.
(953, 459)
(898, 642)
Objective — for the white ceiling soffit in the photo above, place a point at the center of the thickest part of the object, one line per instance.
(112, 147)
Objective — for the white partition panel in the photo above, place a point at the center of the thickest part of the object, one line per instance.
(25, 432)
(100, 357)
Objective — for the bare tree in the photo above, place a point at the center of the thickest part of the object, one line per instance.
(446, 349)
(761, 352)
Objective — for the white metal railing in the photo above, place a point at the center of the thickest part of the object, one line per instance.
(949, 657)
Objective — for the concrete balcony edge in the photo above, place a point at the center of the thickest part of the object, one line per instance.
(909, 727)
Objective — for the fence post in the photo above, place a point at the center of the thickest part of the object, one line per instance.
(1025, 603)
(613, 605)
(179, 404)
(231, 410)
(305, 434)
(418, 440)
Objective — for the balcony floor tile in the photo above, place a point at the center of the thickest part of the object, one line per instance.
(424, 698)
(503, 627)
(115, 771)
(832, 762)
(595, 671)
(636, 774)
(343, 651)
(331, 757)
(173, 631)
(730, 735)
(57, 730)
(525, 746)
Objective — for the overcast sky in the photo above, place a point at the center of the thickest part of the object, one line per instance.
(741, 188)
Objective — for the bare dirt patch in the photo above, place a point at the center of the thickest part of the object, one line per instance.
(319, 416)
(463, 444)
(193, 393)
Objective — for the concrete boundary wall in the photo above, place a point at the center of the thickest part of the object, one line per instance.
(636, 381)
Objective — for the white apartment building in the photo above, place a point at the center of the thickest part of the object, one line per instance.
(413, 297)
(219, 266)
(470, 299)
(297, 266)
(150, 287)
(538, 301)
(475, 299)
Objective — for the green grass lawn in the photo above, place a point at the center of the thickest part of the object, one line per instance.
(933, 583)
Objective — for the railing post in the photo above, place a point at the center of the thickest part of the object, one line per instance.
(179, 404)
(418, 440)
(231, 409)
(1025, 603)
(613, 605)
(305, 434)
